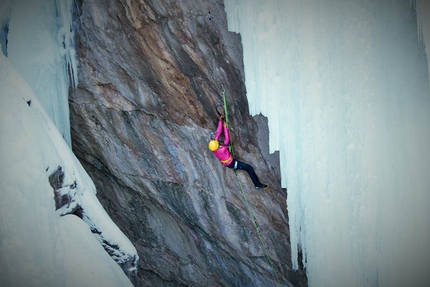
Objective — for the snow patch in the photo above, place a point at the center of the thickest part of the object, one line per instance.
(38, 247)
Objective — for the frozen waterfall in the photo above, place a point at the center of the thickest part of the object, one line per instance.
(37, 38)
(345, 87)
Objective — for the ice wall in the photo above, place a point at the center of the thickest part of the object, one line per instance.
(345, 87)
(37, 38)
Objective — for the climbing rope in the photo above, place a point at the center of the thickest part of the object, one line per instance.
(244, 194)
(256, 227)
(230, 145)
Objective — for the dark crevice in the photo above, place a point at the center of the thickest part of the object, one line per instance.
(4, 33)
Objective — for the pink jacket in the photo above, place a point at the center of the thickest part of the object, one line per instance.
(222, 152)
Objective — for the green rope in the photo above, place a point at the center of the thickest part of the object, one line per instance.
(230, 145)
(256, 228)
(225, 103)
(244, 194)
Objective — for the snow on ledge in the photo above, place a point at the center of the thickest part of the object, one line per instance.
(33, 239)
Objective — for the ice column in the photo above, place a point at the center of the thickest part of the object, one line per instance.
(40, 45)
(345, 87)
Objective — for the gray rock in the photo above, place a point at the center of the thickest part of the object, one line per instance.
(150, 74)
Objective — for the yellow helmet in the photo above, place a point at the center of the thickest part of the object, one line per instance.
(213, 145)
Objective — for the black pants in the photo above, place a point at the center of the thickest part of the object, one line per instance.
(248, 168)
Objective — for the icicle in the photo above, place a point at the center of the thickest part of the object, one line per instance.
(66, 38)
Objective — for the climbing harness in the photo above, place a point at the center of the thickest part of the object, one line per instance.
(225, 161)
(243, 191)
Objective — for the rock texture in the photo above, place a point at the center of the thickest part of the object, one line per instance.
(150, 73)
(76, 196)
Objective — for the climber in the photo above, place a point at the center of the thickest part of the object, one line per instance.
(220, 150)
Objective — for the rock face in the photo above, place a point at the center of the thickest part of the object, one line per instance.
(150, 75)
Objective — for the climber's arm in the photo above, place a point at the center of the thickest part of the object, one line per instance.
(226, 134)
(218, 130)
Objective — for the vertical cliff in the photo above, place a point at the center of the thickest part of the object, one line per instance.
(150, 74)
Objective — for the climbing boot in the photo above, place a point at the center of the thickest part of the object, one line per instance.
(263, 186)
